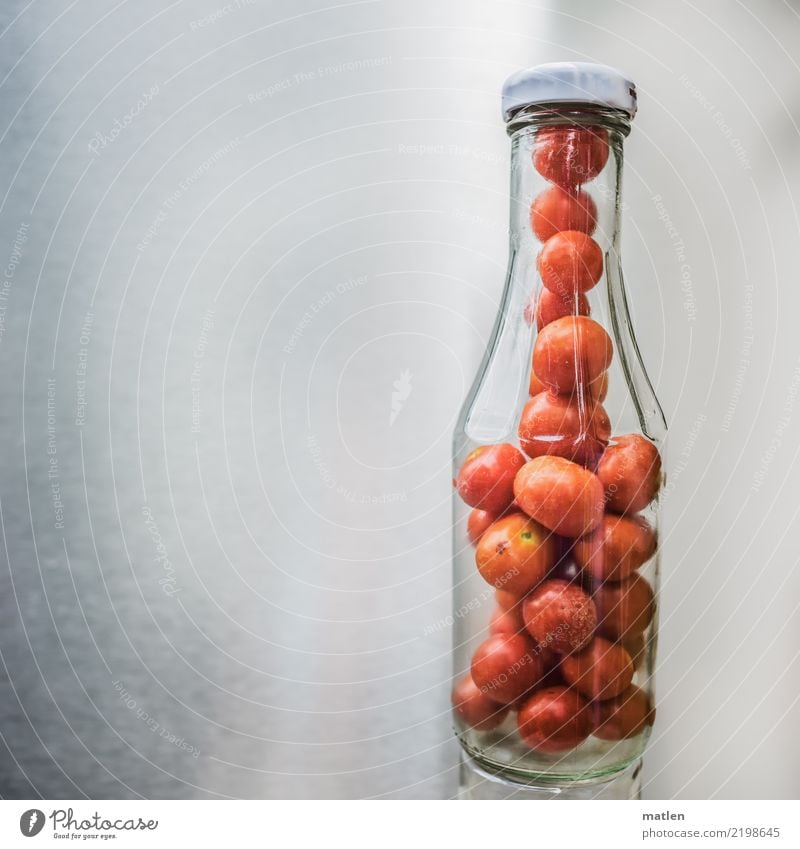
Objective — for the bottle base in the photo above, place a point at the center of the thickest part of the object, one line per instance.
(476, 781)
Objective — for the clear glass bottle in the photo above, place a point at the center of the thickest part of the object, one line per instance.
(557, 470)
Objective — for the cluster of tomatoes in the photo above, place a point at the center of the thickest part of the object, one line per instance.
(557, 528)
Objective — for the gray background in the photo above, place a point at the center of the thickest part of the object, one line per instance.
(324, 188)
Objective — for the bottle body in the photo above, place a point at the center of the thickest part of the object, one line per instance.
(557, 466)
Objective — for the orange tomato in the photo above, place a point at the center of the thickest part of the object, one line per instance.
(600, 671)
(630, 470)
(554, 719)
(623, 716)
(560, 615)
(556, 209)
(560, 494)
(475, 708)
(571, 352)
(551, 306)
(625, 608)
(505, 666)
(554, 424)
(515, 553)
(570, 155)
(486, 478)
(616, 549)
(570, 262)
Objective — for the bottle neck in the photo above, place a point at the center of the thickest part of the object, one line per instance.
(603, 189)
(491, 411)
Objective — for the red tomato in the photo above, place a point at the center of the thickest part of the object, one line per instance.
(571, 352)
(624, 608)
(554, 719)
(477, 523)
(506, 600)
(572, 155)
(535, 386)
(560, 615)
(600, 671)
(486, 480)
(636, 646)
(570, 262)
(551, 306)
(561, 495)
(506, 621)
(557, 209)
(598, 388)
(624, 716)
(616, 549)
(554, 424)
(506, 666)
(515, 553)
(475, 708)
(630, 470)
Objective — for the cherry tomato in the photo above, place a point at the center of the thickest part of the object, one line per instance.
(570, 156)
(598, 388)
(623, 716)
(630, 470)
(560, 494)
(636, 646)
(477, 522)
(570, 262)
(571, 352)
(560, 615)
(506, 621)
(600, 671)
(557, 209)
(617, 548)
(554, 424)
(515, 553)
(624, 608)
(535, 386)
(554, 719)
(475, 708)
(506, 666)
(486, 480)
(507, 600)
(550, 306)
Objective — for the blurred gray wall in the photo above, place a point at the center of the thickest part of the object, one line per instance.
(227, 231)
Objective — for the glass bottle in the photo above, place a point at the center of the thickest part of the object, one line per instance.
(557, 470)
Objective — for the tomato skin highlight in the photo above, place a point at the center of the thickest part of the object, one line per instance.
(486, 478)
(557, 209)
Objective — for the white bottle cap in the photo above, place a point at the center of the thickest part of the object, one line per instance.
(569, 82)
